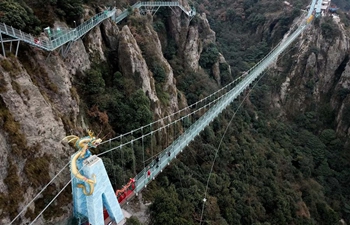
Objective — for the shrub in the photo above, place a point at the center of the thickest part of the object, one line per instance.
(225, 74)
(159, 26)
(9, 203)
(170, 50)
(16, 87)
(6, 64)
(159, 73)
(162, 95)
(70, 9)
(209, 56)
(18, 15)
(346, 114)
(133, 221)
(12, 127)
(254, 20)
(94, 82)
(3, 83)
(37, 170)
(329, 29)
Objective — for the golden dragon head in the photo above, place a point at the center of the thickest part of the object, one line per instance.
(85, 142)
(93, 141)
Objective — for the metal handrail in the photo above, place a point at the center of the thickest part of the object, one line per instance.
(64, 35)
(164, 158)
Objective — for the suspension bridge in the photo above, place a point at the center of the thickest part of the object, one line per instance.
(63, 37)
(208, 108)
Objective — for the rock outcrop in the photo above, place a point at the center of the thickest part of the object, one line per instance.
(319, 73)
(38, 91)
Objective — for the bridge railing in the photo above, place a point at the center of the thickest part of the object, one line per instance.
(169, 4)
(57, 37)
(159, 3)
(28, 38)
(61, 36)
(155, 167)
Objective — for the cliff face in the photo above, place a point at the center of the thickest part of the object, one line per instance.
(38, 101)
(315, 73)
(40, 105)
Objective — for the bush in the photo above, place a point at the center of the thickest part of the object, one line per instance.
(159, 73)
(254, 20)
(170, 50)
(18, 15)
(209, 56)
(329, 29)
(70, 9)
(159, 26)
(9, 203)
(37, 170)
(225, 74)
(3, 84)
(94, 82)
(6, 64)
(346, 114)
(12, 128)
(133, 221)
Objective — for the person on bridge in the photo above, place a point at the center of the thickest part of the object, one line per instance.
(157, 162)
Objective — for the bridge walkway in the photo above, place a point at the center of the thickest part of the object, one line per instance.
(167, 155)
(60, 36)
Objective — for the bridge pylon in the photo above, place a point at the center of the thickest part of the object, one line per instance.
(103, 196)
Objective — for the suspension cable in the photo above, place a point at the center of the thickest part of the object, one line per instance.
(150, 133)
(42, 190)
(217, 149)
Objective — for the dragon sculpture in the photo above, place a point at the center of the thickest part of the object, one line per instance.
(83, 144)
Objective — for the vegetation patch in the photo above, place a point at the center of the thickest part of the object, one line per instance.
(16, 87)
(56, 208)
(6, 64)
(163, 96)
(329, 29)
(12, 128)
(3, 83)
(209, 56)
(159, 73)
(115, 98)
(37, 170)
(9, 202)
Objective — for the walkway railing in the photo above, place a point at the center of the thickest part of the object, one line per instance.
(59, 37)
(156, 166)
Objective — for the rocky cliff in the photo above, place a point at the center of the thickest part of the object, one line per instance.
(40, 103)
(315, 75)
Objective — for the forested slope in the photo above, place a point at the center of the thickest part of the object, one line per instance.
(284, 154)
(285, 157)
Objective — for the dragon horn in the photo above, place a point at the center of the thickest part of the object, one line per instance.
(70, 138)
(91, 134)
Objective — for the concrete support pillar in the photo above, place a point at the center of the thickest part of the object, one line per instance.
(102, 197)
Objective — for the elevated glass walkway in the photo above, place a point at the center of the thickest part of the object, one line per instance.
(166, 156)
(59, 37)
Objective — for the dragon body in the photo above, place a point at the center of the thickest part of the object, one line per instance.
(83, 145)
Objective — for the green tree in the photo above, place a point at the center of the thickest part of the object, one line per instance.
(133, 221)
(327, 214)
(94, 82)
(209, 56)
(19, 15)
(69, 9)
(166, 208)
(159, 73)
(329, 29)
